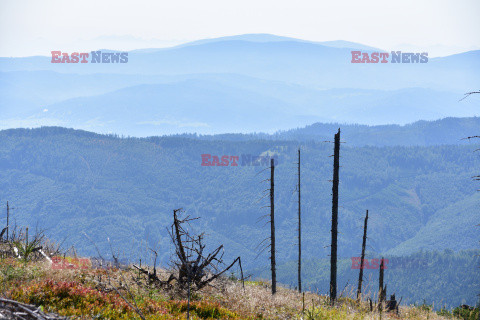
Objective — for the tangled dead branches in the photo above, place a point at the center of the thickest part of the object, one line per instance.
(193, 268)
(10, 309)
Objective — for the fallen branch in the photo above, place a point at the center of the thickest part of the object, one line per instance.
(11, 309)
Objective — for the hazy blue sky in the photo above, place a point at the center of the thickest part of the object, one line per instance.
(37, 27)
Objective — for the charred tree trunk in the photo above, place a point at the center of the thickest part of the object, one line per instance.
(381, 289)
(299, 229)
(272, 226)
(8, 217)
(477, 178)
(364, 243)
(333, 253)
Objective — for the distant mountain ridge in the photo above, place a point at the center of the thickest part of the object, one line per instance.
(293, 61)
(101, 103)
(244, 80)
(447, 131)
(265, 37)
(421, 133)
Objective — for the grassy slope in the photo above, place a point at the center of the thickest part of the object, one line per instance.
(88, 293)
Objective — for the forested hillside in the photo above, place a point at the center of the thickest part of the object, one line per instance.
(125, 189)
(443, 279)
(420, 133)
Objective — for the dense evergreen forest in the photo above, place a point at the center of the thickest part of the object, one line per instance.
(420, 133)
(444, 279)
(420, 198)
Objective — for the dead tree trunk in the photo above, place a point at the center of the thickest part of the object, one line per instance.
(477, 178)
(381, 289)
(333, 253)
(364, 242)
(299, 229)
(8, 217)
(272, 226)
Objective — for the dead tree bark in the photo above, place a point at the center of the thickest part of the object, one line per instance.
(364, 242)
(299, 228)
(8, 217)
(477, 178)
(333, 252)
(381, 289)
(272, 226)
